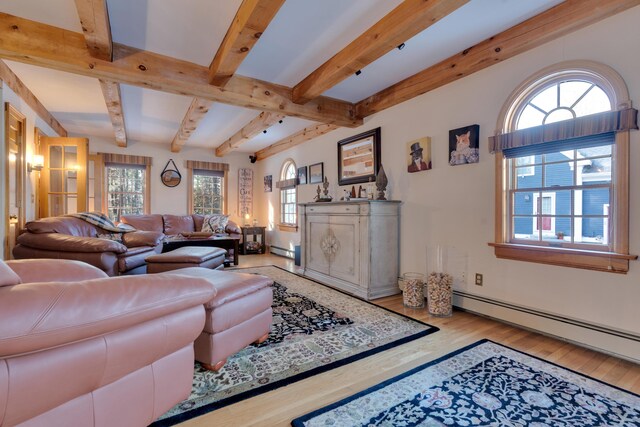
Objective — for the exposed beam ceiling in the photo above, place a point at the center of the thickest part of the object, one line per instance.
(252, 18)
(197, 110)
(405, 21)
(43, 45)
(111, 93)
(264, 121)
(16, 85)
(297, 138)
(562, 19)
(94, 19)
(250, 21)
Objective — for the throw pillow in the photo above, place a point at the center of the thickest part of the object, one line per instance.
(215, 223)
(116, 237)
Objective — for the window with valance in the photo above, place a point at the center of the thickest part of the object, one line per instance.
(562, 154)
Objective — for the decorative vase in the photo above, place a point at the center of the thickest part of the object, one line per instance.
(440, 294)
(413, 294)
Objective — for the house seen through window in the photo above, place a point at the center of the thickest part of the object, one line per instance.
(562, 195)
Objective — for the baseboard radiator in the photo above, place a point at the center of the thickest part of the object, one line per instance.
(620, 343)
(276, 250)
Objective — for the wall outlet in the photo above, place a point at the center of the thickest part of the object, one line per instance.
(478, 279)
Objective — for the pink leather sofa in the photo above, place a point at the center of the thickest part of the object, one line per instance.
(64, 237)
(78, 348)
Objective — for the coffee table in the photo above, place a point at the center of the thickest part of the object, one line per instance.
(224, 242)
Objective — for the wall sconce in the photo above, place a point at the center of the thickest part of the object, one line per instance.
(37, 163)
(247, 217)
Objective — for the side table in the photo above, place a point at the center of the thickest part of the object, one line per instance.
(253, 240)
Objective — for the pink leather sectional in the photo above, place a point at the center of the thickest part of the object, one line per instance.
(78, 348)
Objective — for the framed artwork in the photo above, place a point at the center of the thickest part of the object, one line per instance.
(463, 145)
(245, 192)
(419, 155)
(316, 173)
(302, 175)
(359, 157)
(268, 181)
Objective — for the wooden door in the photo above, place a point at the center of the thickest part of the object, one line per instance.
(345, 262)
(15, 176)
(316, 252)
(63, 184)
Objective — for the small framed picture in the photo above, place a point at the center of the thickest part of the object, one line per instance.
(302, 175)
(463, 145)
(419, 155)
(316, 173)
(268, 181)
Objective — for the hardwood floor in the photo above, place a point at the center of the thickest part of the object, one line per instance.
(280, 406)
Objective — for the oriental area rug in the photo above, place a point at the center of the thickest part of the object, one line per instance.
(315, 328)
(484, 384)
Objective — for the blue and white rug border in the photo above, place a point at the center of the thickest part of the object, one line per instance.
(299, 422)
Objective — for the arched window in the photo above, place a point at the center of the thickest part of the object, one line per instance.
(288, 196)
(562, 150)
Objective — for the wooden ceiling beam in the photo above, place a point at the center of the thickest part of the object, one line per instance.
(197, 110)
(20, 89)
(558, 21)
(51, 47)
(251, 20)
(111, 93)
(297, 138)
(405, 21)
(261, 123)
(94, 19)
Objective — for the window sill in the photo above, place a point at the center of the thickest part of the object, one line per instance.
(288, 227)
(610, 262)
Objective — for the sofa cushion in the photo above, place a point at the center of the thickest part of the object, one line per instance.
(176, 224)
(7, 276)
(215, 223)
(63, 225)
(151, 222)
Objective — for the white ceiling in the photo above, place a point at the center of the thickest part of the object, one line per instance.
(302, 36)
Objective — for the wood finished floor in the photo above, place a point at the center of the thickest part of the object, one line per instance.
(280, 406)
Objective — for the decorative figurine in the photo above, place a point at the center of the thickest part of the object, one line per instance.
(324, 197)
(362, 193)
(317, 198)
(381, 183)
(353, 191)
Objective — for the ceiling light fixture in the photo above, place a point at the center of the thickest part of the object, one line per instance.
(401, 46)
(358, 72)
(264, 131)
(280, 121)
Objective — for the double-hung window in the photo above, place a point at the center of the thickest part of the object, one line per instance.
(207, 187)
(562, 169)
(126, 185)
(288, 197)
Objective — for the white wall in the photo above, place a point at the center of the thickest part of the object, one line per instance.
(173, 200)
(33, 121)
(454, 205)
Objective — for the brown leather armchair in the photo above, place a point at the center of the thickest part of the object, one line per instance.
(78, 348)
(64, 237)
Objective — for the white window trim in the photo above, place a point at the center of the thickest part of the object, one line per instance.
(285, 226)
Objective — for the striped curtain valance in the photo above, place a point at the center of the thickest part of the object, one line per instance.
(125, 159)
(207, 166)
(594, 124)
(287, 183)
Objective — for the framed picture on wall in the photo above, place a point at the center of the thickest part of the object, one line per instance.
(302, 175)
(359, 157)
(316, 173)
(268, 181)
(463, 145)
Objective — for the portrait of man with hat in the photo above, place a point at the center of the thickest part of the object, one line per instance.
(417, 161)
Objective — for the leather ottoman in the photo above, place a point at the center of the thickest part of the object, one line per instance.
(186, 256)
(238, 315)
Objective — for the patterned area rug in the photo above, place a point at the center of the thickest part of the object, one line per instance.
(484, 384)
(315, 328)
